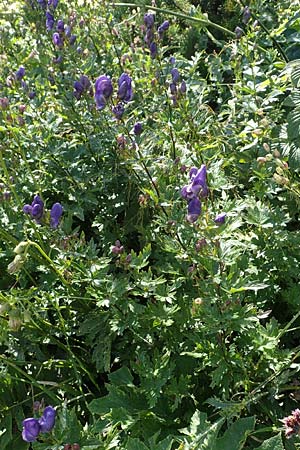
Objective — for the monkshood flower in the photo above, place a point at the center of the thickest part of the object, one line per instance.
(68, 31)
(60, 27)
(31, 429)
(194, 210)
(163, 28)
(118, 111)
(103, 91)
(292, 423)
(82, 86)
(55, 215)
(175, 75)
(117, 248)
(49, 21)
(36, 209)
(197, 186)
(125, 92)
(137, 128)
(183, 87)
(53, 3)
(153, 49)
(57, 40)
(149, 19)
(47, 420)
(238, 32)
(246, 15)
(220, 219)
(72, 39)
(20, 73)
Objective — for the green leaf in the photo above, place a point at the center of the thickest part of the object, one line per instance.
(234, 438)
(135, 444)
(121, 377)
(274, 443)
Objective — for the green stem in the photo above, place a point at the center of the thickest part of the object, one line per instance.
(196, 20)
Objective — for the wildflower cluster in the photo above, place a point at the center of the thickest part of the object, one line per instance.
(104, 91)
(198, 188)
(176, 89)
(37, 212)
(149, 20)
(292, 423)
(191, 192)
(82, 86)
(33, 427)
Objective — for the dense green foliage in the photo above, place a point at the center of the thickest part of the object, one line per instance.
(181, 335)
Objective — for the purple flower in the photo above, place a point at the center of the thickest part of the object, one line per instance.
(149, 19)
(183, 87)
(198, 181)
(103, 91)
(172, 60)
(117, 248)
(149, 36)
(173, 88)
(162, 28)
(125, 90)
(36, 209)
(220, 219)
(53, 3)
(194, 210)
(238, 32)
(246, 15)
(47, 420)
(68, 31)
(175, 75)
(78, 89)
(137, 128)
(153, 49)
(31, 94)
(60, 26)
(57, 40)
(55, 215)
(72, 39)
(31, 429)
(118, 111)
(20, 73)
(49, 21)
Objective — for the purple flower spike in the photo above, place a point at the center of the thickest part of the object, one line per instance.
(125, 90)
(31, 429)
(49, 21)
(55, 215)
(20, 73)
(103, 91)
(47, 420)
(220, 219)
(194, 210)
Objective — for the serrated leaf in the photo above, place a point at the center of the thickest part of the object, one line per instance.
(274, 443)
(135, 444)
(234, 438)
